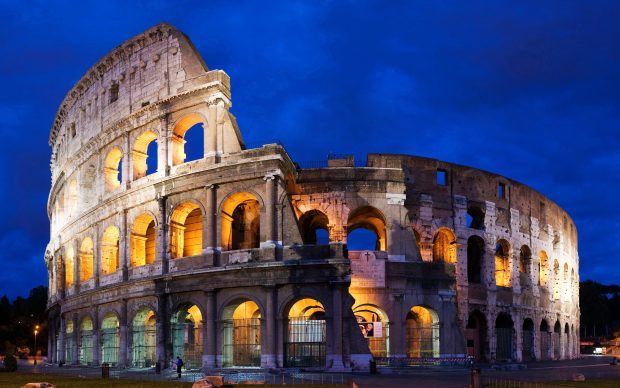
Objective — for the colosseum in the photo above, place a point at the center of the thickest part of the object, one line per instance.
(239, 257)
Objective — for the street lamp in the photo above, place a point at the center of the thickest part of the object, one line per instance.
(36, 330)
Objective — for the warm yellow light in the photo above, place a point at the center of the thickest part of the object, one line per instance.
(35, 332)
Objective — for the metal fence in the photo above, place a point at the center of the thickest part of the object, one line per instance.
(494, 382)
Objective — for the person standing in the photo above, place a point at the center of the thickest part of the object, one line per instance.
(179, 363)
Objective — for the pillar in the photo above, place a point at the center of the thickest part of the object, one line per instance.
(96, 255)
(163, 158)
(122, 351)
(75, 349)
(160, 328)
(271, 236)
(210, 347)
(210, 128)
(398, 340)
(124, 247)
(269, 350)
(162, 241)
(334, 360)
(61, 340)
(76, 267)
(96, 343)
(127, 163)
(51, 343)
(211, 220)
(62, 277)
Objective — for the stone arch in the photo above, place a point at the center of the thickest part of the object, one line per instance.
(140, 155)
(369, 218)
(545, 340)
(241, 333)
(543, 269)
(557, 340)
(565, 282)
(241, 221)
(85, 340)
(69, 341)
(527, 350)
(143, 240)
(178, 135)
(186, 230)
(475, 259)
(69, 260)
(144, 336)
(110, 241)
(525, 266)
(374, 324)
(186, 333)
(567, 341)
(503, 267)
(444, 246)
(504, 344)
(306, 340)
(477, 336)
(311, 222)
(422, 332)
(110, 338)
(557, 286)
(86, 260)
(112, 169)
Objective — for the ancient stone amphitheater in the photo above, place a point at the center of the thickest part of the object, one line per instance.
(239, 258)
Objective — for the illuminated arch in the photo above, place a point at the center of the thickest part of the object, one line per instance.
(110, 250)
(69, 341)
(140, 153)
(178, 136)
(543, 277)
(241, 335)
(112, 169)
(375, 326)
(369, 218)
(85, 341)
(144, 338)
(306, 341)
(86, 260)
(110, 339)
(444, 246)
(525, 265)
(143, 240)
(186, 230)
(186, 326)
(422, 326)
(557, 281)
(503, 272)
(241, 221)
(69, 267)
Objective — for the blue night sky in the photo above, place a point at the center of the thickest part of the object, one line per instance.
(529, 90)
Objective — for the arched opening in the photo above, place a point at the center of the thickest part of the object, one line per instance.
(143, 241)
(188, 140)
(306, 341)
(543, 268)
(60, 207)
(112, 170)
(88, 180)
(186, 230)
(375, 327)
(545, 340)
(525, 265)
(565, 283)
(110, 339)
(69, 267)
(186, 328)
(109, 250)
(475, 251)
(557, 340)
(85, 344)
(241, 334)
(567, 341)
(72, 197)
(476, 336)
(370, 219)
(444, 246)
(475, 217)
(86, 260)
(314, 227)
(144, 148)
(422, 327)
(241, 222)
(557, 286)
(503, 274)
(528, 340)
(503, 336)
(144, 338)
(69, 342)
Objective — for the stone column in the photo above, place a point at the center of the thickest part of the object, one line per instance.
(398, 336)
(268, 355)
(75, 349)
(161, 332)
(210, 353)
(62, 277)
(271, 235)
(96, 255)
(61, 340)
(334, 360)
(163, 156)
(124, 247)
(122, 352)
(96, 336)
(76, 267)
(162, 241)
(127, 169)
(210, 129)
(211, 224)
(51, 331)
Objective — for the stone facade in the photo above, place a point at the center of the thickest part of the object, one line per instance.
(221, 260)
